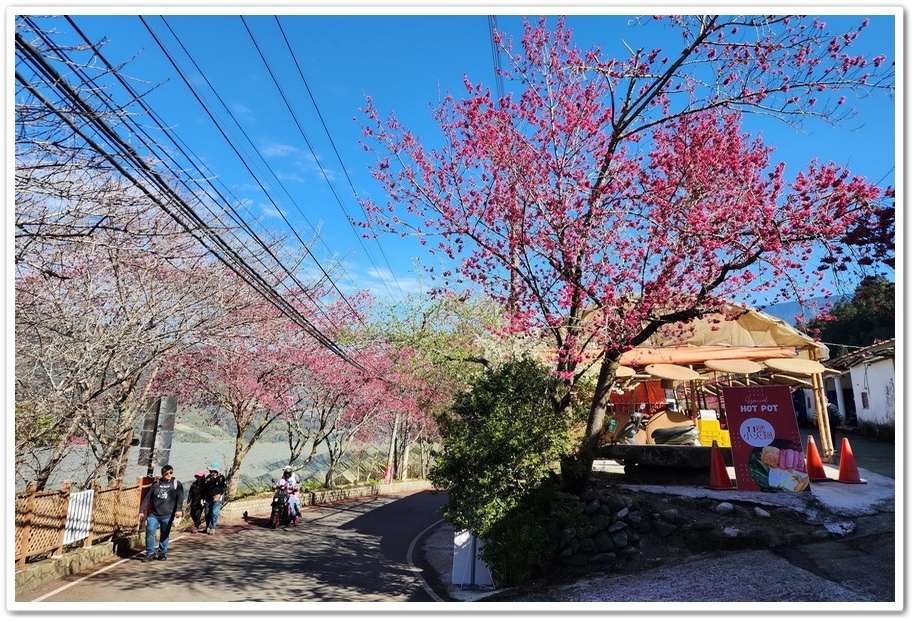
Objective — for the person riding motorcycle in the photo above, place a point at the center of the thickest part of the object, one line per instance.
(290, 480)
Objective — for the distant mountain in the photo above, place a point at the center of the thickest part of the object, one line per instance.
(787, 311)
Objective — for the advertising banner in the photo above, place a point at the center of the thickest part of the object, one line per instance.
(766, 445)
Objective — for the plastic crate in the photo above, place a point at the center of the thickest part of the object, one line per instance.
(710, 431)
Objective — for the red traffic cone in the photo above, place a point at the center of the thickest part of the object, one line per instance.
(718, 474)
(849, 473)
(813, 461)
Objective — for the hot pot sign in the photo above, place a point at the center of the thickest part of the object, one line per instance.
(766, 446)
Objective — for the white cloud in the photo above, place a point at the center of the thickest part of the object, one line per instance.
(278, 150)
(270, 210)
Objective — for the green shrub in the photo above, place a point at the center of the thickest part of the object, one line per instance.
(502, 444)
(525, 541)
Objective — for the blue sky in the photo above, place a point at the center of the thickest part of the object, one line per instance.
(406, 63)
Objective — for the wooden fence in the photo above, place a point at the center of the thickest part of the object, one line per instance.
(48, 521)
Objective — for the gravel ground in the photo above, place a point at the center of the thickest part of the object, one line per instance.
(857, 566)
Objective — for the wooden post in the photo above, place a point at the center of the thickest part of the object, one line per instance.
(143, 483)
(26, 530)
(65, 490)
(820, 409)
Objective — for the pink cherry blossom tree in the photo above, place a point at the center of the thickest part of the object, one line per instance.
(247, 374)
(392, 398)
(604, 199)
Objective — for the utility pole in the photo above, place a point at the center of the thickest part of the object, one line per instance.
(158, 427)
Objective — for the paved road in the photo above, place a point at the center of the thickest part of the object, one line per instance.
(359, 550)
(868, 453)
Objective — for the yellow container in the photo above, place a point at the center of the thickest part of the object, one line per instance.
(709, 431)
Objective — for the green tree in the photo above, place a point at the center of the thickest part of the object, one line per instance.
(860, 320)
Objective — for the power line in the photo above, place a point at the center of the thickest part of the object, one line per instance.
(191, 222)
(278, 183)
(232, 145)
(153, 144)
(340, 161)
(497, 62)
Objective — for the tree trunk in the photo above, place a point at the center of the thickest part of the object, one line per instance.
(389, 465)
(405, 454)
(578, 468)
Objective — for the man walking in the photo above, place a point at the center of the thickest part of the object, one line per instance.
(161, 506)
(214, 489)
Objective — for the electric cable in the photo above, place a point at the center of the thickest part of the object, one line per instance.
(223, 252)
(342, 167)
(233, 146)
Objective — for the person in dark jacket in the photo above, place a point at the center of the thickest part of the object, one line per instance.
(161, 507)
(196, 501)
(214, 489)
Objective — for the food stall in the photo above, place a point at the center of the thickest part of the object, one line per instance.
(678, 376)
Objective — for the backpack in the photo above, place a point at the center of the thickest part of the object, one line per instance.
(148, 498)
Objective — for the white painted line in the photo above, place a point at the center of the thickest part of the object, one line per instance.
(95, 573)
(413, 567)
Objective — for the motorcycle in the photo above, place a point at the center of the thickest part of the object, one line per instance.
(627, 433)
(280, 510)
(684, 435)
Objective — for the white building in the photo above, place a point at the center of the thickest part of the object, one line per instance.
(864, 388)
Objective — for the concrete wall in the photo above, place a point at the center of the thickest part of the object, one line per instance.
(873, 383)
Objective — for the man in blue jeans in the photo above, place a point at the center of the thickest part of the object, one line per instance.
(214, 489)
(161, 506)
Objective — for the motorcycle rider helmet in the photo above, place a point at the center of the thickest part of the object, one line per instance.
(288, 470)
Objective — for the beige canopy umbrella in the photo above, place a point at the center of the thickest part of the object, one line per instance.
(792, 381)
(733, 366)
(795, 366)
(626, 378)
(672, 372)
(813, 370)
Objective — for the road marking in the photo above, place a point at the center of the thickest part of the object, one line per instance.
(95, 573)
(75, 582)
(413, 567)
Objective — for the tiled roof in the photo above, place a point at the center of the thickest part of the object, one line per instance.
(883, 349)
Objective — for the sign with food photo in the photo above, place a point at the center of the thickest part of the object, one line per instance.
(766, 446)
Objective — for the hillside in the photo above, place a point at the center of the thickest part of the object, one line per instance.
(787, 311)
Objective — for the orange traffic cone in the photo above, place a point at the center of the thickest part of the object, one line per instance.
(718, 474)
(849, 473)
(813, 461)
